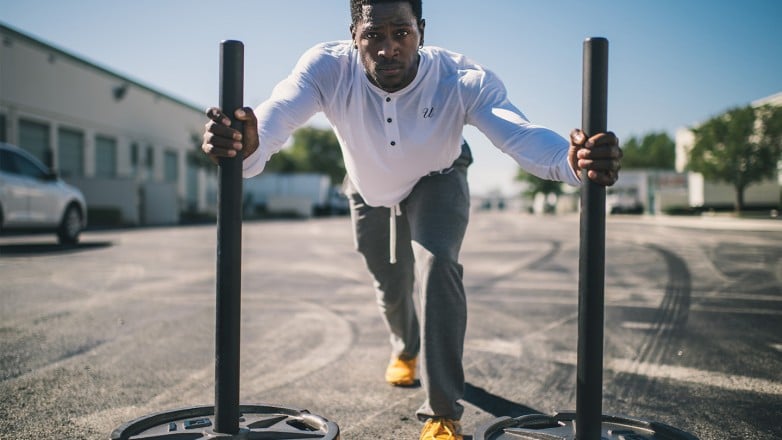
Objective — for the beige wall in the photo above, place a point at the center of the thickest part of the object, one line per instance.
(44, 84)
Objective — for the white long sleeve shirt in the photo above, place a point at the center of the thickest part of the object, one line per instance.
(390, 140)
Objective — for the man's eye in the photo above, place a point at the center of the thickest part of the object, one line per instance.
(402, 33)
(371, 35)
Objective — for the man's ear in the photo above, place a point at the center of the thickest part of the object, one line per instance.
(353, 33)
(421, 26)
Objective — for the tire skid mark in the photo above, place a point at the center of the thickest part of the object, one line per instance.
(668, 325)
(537, 263)
(257, 375)
(533, 263)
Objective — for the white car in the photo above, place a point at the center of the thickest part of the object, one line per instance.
(33, 198)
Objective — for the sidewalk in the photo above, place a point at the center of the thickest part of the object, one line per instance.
(706, 221)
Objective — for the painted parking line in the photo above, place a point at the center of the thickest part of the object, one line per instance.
(658, 326)
(649, 303)
(731, 382)
(735, 310)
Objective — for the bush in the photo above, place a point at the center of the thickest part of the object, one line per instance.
(104, 216)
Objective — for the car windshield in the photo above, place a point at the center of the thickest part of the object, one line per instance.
(14, 163)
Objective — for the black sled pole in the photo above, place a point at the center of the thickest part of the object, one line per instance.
(587, 422)
(591, 277)
(227, 419)
(229, 249)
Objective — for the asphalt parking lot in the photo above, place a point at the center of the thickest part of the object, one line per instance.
(122, 326)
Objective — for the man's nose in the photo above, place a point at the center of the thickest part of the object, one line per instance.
(389, 48)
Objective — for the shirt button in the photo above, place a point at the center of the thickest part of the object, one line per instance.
(393, 143)
(388, 99)
(389, 120)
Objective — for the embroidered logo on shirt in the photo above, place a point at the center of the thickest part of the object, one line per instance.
(428, 112)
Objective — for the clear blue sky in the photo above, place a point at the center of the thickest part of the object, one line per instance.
(672, 63)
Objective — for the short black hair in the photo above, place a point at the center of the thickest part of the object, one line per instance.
(356, 7)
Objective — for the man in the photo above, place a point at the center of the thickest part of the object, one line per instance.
(398, 109)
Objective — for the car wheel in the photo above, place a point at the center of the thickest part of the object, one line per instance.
(70, 226)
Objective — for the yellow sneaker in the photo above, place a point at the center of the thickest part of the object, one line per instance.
(442, 429)
(401, 372)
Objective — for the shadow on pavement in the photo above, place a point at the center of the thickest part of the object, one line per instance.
(33, 249)
(495, 405)
(416, 384)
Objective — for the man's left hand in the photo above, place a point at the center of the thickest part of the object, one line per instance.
(600, 155)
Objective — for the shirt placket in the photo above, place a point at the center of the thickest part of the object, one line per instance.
(390, 121)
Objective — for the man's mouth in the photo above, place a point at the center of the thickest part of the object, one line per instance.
(389, 69)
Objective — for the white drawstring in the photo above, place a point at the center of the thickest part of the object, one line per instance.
(395, 211)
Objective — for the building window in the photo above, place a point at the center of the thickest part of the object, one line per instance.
(105, 157)
(151, 159)
(192, 188)
(70, 152)
(34, 137)
(134, 153)
(171, 163)
(3, 135)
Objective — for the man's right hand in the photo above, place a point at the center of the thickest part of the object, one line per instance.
(220, 140)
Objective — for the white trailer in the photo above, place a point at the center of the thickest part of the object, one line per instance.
(287, 194)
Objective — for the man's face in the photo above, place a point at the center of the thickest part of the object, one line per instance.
(387, 37)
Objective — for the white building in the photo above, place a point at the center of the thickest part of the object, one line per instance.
(703, 194)
(123, 143)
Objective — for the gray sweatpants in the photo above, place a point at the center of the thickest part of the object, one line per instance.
(429, 233)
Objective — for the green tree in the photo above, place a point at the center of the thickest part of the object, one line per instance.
(312, 150)
(537, 185)
(740, 147)
(655, 150)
